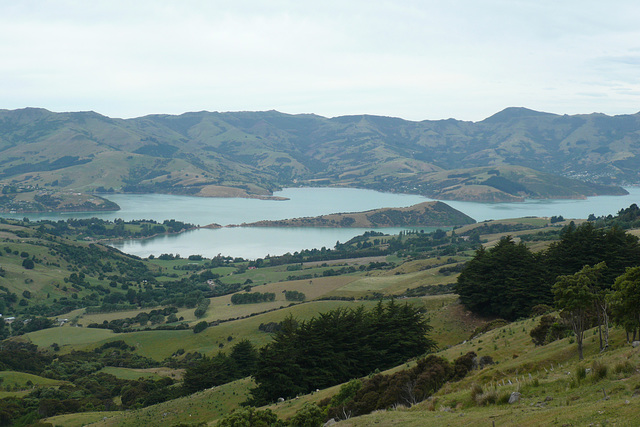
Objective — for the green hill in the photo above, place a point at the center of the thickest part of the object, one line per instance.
(251, 154)
(131, 337)
(427, 214)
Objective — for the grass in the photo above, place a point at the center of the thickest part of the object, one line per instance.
(162, 344)
(390, 282)
(201, 407)
(134, 374)
(550, 396)
(68, 337)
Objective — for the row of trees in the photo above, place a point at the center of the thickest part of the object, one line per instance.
(336, 346)
(252, 297)
(585, 296)
(508, 279)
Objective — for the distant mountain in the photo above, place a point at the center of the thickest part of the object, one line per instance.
(513, 154)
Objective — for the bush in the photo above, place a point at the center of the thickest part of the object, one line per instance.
(250, 417)
(503, 398)
(540, 309)
(476, 390)
(200, 327)
(625, 367)
(309, 416)
(599, 370)
(539, 333)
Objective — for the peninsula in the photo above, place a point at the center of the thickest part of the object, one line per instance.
(426, 214)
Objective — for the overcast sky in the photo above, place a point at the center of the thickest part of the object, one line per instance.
(412, 59)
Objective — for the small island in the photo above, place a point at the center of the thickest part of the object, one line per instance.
(426, 214)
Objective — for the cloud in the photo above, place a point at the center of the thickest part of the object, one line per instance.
(413, 59)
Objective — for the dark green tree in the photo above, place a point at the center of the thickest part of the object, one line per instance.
(336, 346)
(200, 326)
(504, 281)
(209, 372)
(245, 356)
(625, 301)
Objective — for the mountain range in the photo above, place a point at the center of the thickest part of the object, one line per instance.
(515, 154)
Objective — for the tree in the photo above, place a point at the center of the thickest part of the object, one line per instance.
(588, 245)
(209, 372)
(201, 326)
(574, 297)
(625, 301)
(337, 346)
(504, 281)
(250, 417)
(245, 356)
(599, 292)
(309, 416)
(28, 263)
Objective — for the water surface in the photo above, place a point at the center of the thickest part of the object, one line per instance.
(258, 242)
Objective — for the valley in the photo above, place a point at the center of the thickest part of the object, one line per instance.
(151, 321)
(382, 308)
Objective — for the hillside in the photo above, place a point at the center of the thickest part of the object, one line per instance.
(156, 341)
(427, 214)
(514, 154)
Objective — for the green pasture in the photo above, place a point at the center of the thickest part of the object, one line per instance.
(161, 344)
(134, 374)
(202, 407)
(68, 337)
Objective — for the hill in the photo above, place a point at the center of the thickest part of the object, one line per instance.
(138, 328)
(251, 154)
(427, 214)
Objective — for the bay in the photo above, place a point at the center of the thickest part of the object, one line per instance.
(253, 242)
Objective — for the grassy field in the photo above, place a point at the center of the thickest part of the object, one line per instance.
(551, 392)
(68, 337)
(202, 407)
(162, 344)
(19, 384)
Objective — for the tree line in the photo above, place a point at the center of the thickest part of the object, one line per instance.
(336, 346)
(509, 279)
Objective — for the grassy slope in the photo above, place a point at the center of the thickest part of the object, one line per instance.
(451, 324)
(552, 369)
(200, 407)
(15, 384)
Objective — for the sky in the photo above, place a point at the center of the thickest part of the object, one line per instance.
(418, 60)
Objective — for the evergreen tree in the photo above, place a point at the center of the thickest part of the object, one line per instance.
(209, 372)
(245, 357)
(336, 346)
(504, 281)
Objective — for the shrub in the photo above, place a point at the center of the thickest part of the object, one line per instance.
(309, 416)
(581, 373)
(503, 397)
(200, 327)
(476, 390)
(487, 398)
(540, 309)
(625, 367)
(599, 370)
